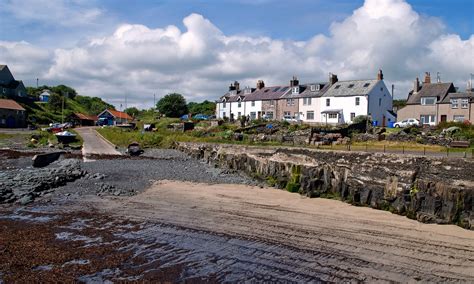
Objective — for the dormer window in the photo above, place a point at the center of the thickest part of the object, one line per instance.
(428, 100)
(296, 90)
(313, 88)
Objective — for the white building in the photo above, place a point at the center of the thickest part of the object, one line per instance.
(345, 100)
(310, 102)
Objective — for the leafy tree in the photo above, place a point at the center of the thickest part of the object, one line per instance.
(132, 111)
(64, 91)
(172, 105)
(206, 107)
(94, 105)
(399, 103)
(55, 102)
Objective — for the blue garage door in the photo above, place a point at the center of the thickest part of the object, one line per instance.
(10, 122)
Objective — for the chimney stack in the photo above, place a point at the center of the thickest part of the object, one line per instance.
(427, 78)
(260, 84)
(294, 82)
(231, 87)
(416, 86)
(332, 79)
(380, 75)
(236, 86)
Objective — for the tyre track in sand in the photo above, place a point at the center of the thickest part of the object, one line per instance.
(239, 232)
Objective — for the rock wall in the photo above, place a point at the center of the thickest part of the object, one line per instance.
(431, 190)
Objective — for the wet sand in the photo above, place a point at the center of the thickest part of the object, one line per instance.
(239, 232)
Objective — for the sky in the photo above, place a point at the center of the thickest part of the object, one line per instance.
(137, 49)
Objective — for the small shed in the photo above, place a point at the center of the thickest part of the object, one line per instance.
(84, 119)
(113, 117)
(44, 96)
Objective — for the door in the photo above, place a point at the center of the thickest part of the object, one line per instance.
(383, 121)
(444, 118)
(11, 122)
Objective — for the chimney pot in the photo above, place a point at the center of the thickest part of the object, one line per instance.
(380, 75)
(416, 86)
(427, 78)
(260, 84)
(332, 79)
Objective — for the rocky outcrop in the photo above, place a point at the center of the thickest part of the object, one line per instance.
(432, 190)
(24, 185)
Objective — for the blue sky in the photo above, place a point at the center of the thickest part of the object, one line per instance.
(113, 48)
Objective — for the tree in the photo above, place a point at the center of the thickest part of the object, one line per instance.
(55, 102)
(64, 91)
(172, 105)
(206, 107)
(132, 111)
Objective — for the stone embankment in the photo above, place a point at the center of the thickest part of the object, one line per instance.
(24, 185)
(430, 190)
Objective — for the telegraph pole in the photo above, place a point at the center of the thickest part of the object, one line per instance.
(154, 100)
(38, 80)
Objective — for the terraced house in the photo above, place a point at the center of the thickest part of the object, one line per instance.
(330, 102)
(432, 103)
(8, 85)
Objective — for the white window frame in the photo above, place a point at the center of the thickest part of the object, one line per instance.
(239, 104)
(454, 103)
(458, 118)
(328, 102)
(332, 115)
(357, 101)
(252, 103)
(223, 104)
(464, 103)
(310, 115)
(313, 88)
(424, 99)
(352, 115)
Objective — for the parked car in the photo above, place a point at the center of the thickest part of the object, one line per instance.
(290, 118)
(407, 122)
(201, 117)
(184, 117)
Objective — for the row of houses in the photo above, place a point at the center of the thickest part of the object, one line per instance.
(331, 102)
(437, 102)
(8, 85)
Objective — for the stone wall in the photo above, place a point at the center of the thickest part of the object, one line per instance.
(431, 190)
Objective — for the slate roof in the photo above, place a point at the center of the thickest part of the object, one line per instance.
(11, 85)
(439, 90)
(350, 88)
(268, 93)
(2, 66)
(10, 104)
(465, 95)
(307, 93)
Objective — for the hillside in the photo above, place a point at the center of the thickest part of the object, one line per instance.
(48, 112)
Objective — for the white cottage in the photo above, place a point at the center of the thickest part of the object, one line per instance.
(344, 100)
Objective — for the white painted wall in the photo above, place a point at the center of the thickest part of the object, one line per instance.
(315, 106)
(347, 104)
(223, 109)
(235, 109)
(377, 111)
(249, 108)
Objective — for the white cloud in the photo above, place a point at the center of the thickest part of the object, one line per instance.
(201, 61)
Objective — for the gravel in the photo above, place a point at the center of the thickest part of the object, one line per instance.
(125, 176)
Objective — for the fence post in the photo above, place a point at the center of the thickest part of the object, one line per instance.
(472, 153)
(403, 149)
(465, 154)
(384, 148)
(350, 148)
(447, 152)
(366, 147)
(424, 151)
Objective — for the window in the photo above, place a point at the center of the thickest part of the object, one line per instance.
(381, 89)
(427, 119)
(464, 103)
(269, 114)
(458, 118)
(288, 102)
(296, 90)
(239, 114)
(454, 103)
(333, 115)
(253, 103)
(272, 102)
(309, 101)
(357, 101)
(223, 105)
(313, 88)
(328, 102)
(353, 115)
(310, 115)
(239, 104)
(350, 86)
(380, 101)
(223, 114)
(428, 100)
(337, 87)
(287, 113)
(366, 85)
(253, 115)
(306, 101)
